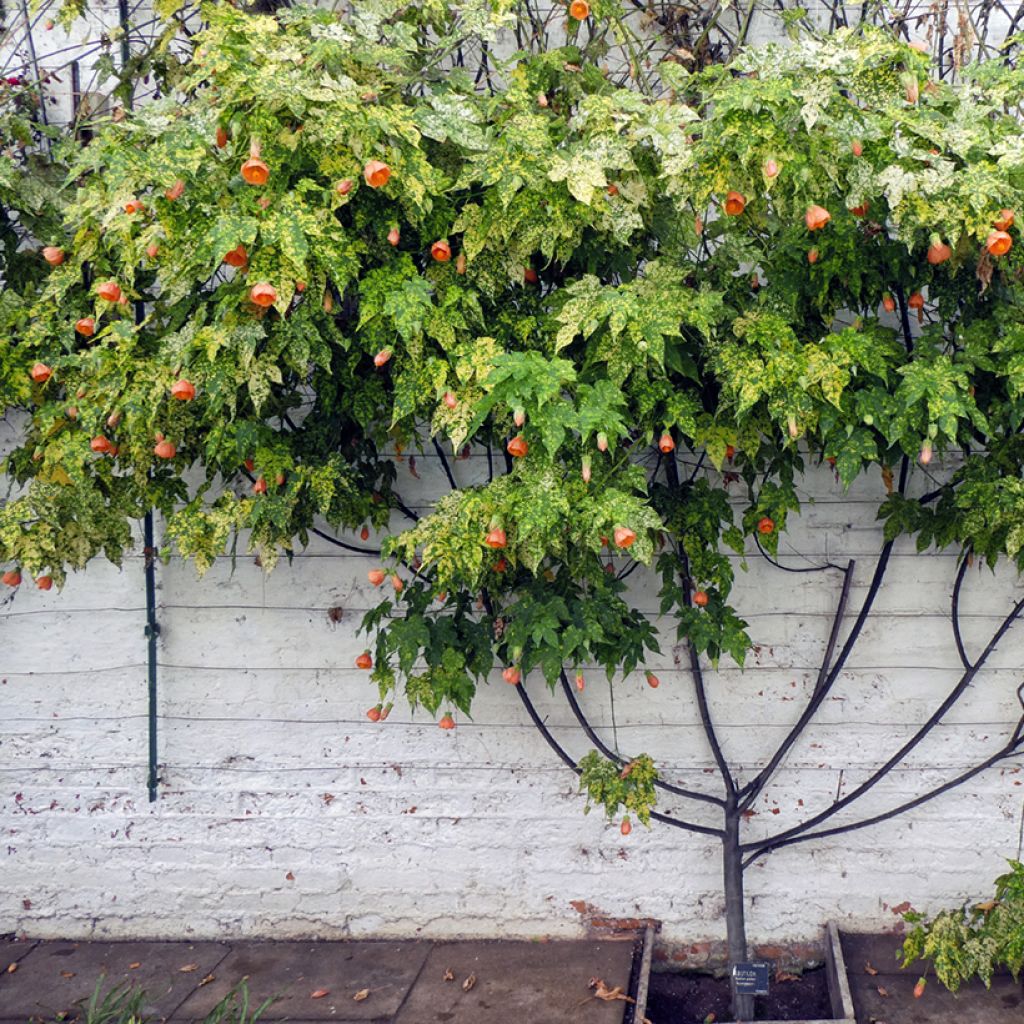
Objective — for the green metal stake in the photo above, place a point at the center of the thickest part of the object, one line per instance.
(152, 632)
(149, 548)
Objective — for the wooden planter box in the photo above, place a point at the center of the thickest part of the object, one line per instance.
(835, 968)
(838, 983)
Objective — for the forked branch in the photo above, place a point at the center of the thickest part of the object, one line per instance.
(1009, 749)
(789, 835)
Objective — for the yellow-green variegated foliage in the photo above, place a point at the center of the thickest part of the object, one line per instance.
(347, 241)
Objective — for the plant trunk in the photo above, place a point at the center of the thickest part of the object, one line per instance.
(735, 910)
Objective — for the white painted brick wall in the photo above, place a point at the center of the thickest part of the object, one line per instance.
(269, 766)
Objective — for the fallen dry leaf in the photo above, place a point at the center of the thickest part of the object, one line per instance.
(884, 993)
(602, 991)
(319, 993)
(11, 968)
(868, 969)
(449, 974)
(188, 968)
(134, 966)
(67, 974)
(362, 994)
(205, 981)
(469, 983)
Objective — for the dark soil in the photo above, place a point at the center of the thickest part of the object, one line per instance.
(688, 998)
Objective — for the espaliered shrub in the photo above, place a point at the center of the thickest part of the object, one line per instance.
(333, 243)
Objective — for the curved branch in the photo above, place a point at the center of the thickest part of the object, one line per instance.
(404, 509)
(341, 544)
(955, 613)
(672, 477)
(665, 819)
(705, 717)
(908, 334)
(612, 756)
(922, 732)
(833, 636)
(399, 504)
(787, 568)
(627, 571)
(447, 466)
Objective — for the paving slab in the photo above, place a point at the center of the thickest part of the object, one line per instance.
(294, 970)
(887, 996)
(13, 951)
(56, 975)
(519, 983)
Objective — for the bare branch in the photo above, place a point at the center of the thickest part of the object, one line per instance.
(444, 462)
(953, 696)
(672, 475)
(1015, 743)
(955, 612)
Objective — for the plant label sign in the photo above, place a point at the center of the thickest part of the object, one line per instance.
(751, 979)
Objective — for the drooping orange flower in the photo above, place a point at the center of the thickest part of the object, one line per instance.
(376, 174)
(237, 257)
(999, 243)
(816, 217)
(517, 447)
(254, 170)
(623, 536)
(938, 251)
(1002, 223)
(263, 294)
(735, 203)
